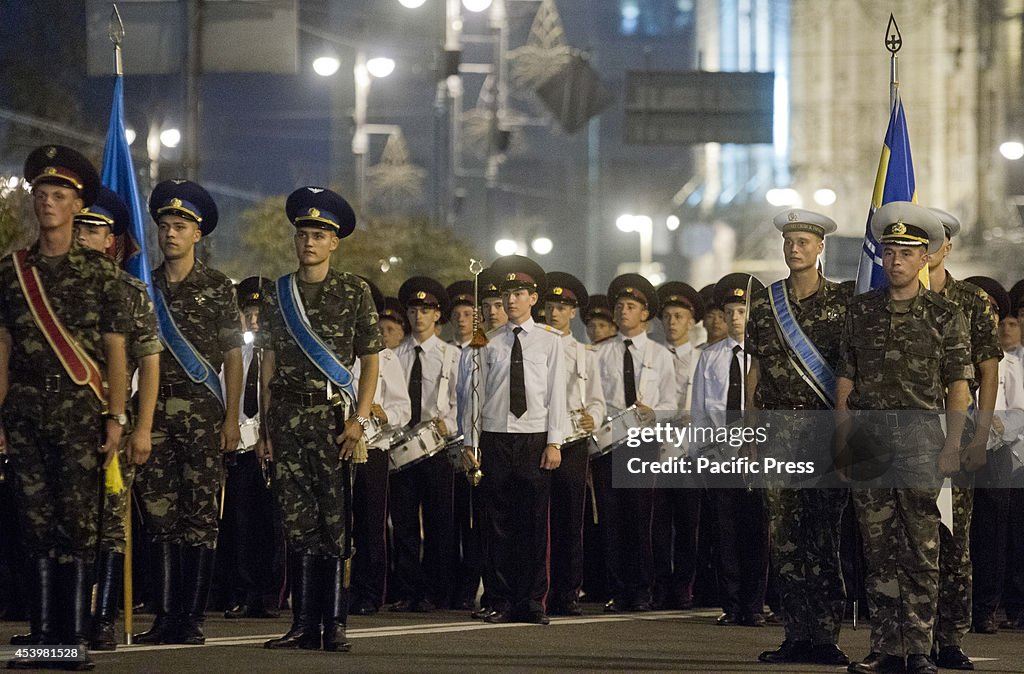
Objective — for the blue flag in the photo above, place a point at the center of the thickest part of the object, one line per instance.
(893, 182)
(119, 176)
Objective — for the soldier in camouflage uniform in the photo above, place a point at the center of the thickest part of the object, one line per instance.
(309, 479)
(804, 523)
(905, 355)
(180, 485)
(53, 424)
(954, 618)
(95, 228)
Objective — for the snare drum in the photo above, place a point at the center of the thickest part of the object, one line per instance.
(453, 449)
(419, 443)
(577, 430)
(614, 432)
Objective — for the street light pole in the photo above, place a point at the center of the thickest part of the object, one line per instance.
(360, 140)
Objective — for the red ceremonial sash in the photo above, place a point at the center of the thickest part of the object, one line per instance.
(82, 369)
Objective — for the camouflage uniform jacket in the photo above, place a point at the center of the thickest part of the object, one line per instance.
(88, 295)
(342, 314)
(903, 360)
(981, 321)
(204, 309)
(821, 317)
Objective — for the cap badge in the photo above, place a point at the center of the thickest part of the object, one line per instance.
(421, 295)
(511, 276)
(315, 190)
(175, 202)
(899, 228)
(556, 291)
(793, 216)
(178, 181)
(313, 212)
(51, 152)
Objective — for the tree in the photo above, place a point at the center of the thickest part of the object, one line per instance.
(15, 214)
(387, 250)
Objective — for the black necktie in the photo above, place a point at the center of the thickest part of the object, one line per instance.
(734, 398)
(416, 387)
(251, 399)
(628, 376)
(516, 377)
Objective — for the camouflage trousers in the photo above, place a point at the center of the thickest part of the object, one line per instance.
(955, 586)
(179, 487)
(805, 526)
(308, 485)
(52, 446)
(115, 509)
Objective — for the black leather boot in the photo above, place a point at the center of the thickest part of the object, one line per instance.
(336, 609)
(111, 568)
(167, 572)
(197, 567)
(303, 575)
(76, 584)
(43, 592)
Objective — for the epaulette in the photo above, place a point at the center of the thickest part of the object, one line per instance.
(550, 329)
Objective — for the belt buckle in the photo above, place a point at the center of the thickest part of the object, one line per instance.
(51, 383)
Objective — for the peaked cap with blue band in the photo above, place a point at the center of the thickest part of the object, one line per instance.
(185, 199)
(319, 207)
(109, 210)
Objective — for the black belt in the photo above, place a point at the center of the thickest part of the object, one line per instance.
(301, 398)
(177, 390)
(48, 383)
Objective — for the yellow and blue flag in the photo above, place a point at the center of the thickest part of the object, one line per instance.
(119, 176)
(893, 182)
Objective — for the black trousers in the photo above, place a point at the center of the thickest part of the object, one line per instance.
(743, 544)
(369, 531)
(518, 495)
(1013, 590)
(625, 516)
(423, 487)
(467, 554)
(251, 542)
(674, 534)
(568, 507)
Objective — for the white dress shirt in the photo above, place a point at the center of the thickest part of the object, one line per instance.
(1010, 397)
(583, 382)
(440, 368)
(711, 382)
(654, 374)
(685, 359)
(544, 379)
(392, 392)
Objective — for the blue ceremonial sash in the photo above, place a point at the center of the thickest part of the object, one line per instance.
(318, 353)
(192, 362)
(817, 372)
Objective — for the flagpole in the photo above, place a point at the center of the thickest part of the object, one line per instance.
(893, 42)
(116, 33)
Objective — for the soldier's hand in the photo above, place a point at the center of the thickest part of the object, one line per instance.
(112, 441)
(442, 428)
(3, 440)
(552, 458)
(378, 411)
(587, 423)
(974, 455)
(949, 462)
(230, 436)
(264, 449)
(140, 446)
(348, 439)
(469, 460)
(646, 413)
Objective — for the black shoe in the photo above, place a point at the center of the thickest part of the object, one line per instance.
(237, 612)
(536, 618)
(876, 663)
(827, 654)
(985, 625)
(104, 636)
(336, 610)
(789, 651)
(423, 606)
(615, 606)
(728, 619)
(304, 633)
(641, 607)
(481, 613)
(168, 578)
(499, 617)
(30, 639)
(953, 657)
(572, 608)
(918, 663)
(402, 606)
(751, 620)
(363, 607)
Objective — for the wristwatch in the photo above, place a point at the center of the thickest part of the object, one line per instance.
(362, 421)
(121, 419)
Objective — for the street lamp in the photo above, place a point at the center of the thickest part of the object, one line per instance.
(476, 5)
(542, 245)
(170, 137)
(506, 247)
(672, 223)
(783, 196)
(1012, 150)
(411, 4)
(644, 226)
(380, 66)
(824, 196)
(325, 66)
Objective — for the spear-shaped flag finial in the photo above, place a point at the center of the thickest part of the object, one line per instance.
(115, 30)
